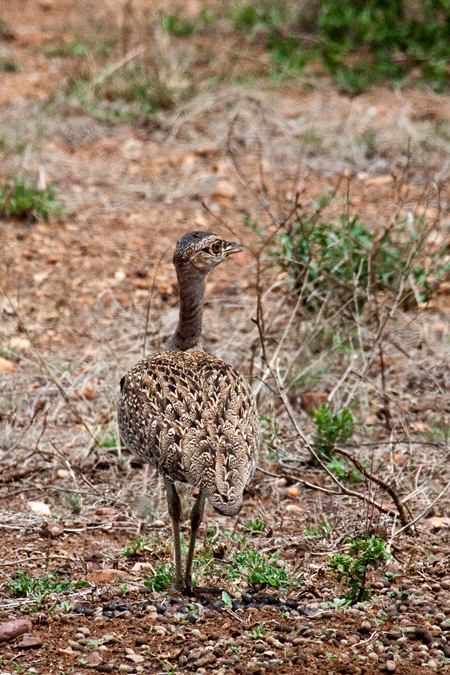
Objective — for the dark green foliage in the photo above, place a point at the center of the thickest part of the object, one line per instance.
(361, 42)
(8, 65)
(395, 37)
(261, 15)
(365, 553)
(176, 25)
(27, 203)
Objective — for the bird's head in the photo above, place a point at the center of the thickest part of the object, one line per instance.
(203, 251)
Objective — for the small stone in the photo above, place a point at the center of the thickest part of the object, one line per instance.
(390, 666)
(224, 189)
(76, 646)
(282, 627)
(158, 524)
(106, 667)
(29, 642)
(79, 637)
(125, 668)
(311, 400)
(84, 630)
(260, 647)
(218, 652)
(107, 576)
(432, 664)
(92, 660)
(135, 658)
(51, 530)
(365, 627)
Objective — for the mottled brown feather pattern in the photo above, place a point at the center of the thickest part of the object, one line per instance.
(193, 417)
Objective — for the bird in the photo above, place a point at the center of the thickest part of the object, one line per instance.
(188, 413)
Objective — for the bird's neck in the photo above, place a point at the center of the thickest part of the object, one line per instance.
(188, 334)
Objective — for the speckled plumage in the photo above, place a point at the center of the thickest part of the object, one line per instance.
(190, 414)
(193, 417)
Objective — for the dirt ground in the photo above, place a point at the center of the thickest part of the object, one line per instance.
(79, 293)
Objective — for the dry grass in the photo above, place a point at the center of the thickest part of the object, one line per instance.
(132, 186)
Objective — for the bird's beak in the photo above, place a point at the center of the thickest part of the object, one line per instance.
(232, 247)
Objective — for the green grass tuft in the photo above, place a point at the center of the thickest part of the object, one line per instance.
(28, 203)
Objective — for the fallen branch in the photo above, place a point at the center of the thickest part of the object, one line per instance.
(379, 481)
(343, 488)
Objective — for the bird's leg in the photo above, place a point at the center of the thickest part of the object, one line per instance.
(173, 502)
(196, 519)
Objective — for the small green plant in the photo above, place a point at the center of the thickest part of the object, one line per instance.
(257, 632)
(175, 24)
(74, 500)
(134, 548)
(364, 553)
(17, 200)
(66, 50)
(162, 579)
(111, 440)
(37, 588)
(226, 599)
(254, 525)
(332, 428)
(259, 567)
(19, 667)
(8, 65)
(271, 430)
(323, 530)
(261, 15)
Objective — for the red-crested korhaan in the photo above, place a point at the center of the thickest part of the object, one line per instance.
(188, 413)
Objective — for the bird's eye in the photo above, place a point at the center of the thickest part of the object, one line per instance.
(216, 247)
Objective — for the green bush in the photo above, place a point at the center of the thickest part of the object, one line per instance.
(395, 37)
(364, 553)
(361, 42)
(346, 257)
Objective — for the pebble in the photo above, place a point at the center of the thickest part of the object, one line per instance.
(124, 668)
(106, 667)
(135, 658)
(76, 646)
(30, 642)
(92, 660)
(84, 630)
(390, 666)
(218, 652)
